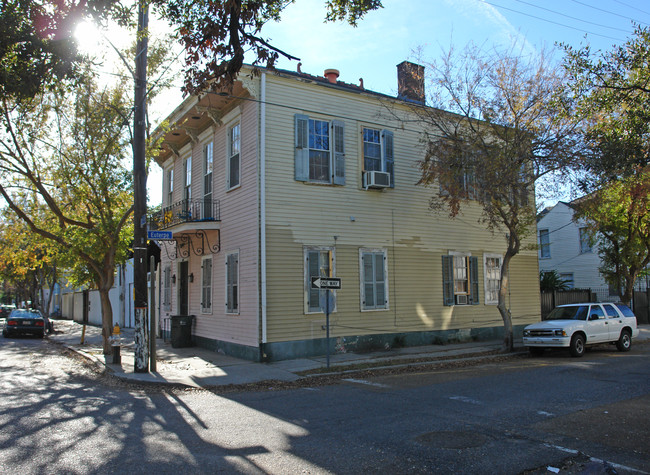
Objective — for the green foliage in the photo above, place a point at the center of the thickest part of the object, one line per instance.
(64, 154)
(613, 92)
(37, 46)
(217, 34)
(550, 280)
(620, 214)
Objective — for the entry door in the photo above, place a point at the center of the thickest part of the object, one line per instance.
(183, 289)
(597, 325)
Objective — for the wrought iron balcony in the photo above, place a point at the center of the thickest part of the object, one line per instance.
(186, 211)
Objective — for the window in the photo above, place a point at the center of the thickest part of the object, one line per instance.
(170, 187)
(492, 278)
(319, 262)
(544, 244)
(167, 288)
(187, 195)
(610, 310)
(206, 285)
(207, 181)
(568, 280)
(585, 240)
(234, 147)
(374, 282)
(378, 152)
(460, 280)
(320, 150)
(232, 283)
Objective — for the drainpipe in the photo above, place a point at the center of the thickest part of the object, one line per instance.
(263, 206)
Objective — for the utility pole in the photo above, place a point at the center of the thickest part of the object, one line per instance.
(140, 192)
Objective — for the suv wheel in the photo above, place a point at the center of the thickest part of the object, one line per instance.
(624, 342)
(577, 347)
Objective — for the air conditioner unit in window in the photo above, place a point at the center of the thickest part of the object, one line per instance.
(376, 180)
(461, 300)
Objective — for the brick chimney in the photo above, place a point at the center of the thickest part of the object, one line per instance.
(410, 82)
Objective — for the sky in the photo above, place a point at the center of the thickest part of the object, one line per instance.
(420, 30)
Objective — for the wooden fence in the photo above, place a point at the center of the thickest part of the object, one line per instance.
(553, 298)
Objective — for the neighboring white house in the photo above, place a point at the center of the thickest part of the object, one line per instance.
(81, 305)
(564, 246)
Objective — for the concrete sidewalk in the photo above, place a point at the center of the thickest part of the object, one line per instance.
(198, 367)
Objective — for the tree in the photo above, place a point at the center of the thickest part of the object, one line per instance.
(29, 262)
(65, 151)
(613, 92)
(620, 214)
(500, 133)
(216, 35)
(37, 47)
(613, 88)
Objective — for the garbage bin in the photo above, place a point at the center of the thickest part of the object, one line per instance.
(181, 331)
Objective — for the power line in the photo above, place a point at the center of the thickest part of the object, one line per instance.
(553, 22)
(631, 6)
(572, 17)
(603, 10)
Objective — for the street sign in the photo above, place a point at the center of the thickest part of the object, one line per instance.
(329, 283)
(160, 235)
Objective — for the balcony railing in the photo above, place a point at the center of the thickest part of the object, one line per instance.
(186, 211)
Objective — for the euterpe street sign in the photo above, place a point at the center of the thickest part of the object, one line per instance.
(326, 283)
(160, 235)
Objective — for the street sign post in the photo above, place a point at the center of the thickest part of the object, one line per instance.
(327, 284)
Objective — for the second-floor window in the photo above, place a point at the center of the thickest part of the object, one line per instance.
(170, 187)
(187, 195)
(378, 152)
(207, 180)
(544, 244)
(585, 240)
(320, 150)
(234, 154)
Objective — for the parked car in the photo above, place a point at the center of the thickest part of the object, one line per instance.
(25, 322)
(577, 326)
(5, 310)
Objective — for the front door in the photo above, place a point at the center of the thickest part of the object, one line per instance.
(183, 288)
(597, 325)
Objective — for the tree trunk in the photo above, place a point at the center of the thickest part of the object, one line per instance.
(107, 320)
(508, 337)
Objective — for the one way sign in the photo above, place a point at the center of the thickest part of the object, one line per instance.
(329, 283)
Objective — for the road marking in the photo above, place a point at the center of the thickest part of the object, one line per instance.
(367, 383)
(466, 399)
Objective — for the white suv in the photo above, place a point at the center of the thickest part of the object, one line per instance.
(578, 325)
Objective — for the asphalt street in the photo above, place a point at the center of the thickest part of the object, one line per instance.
(59, 416)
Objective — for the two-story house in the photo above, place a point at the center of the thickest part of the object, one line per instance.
(290, 176)
(565, 246)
